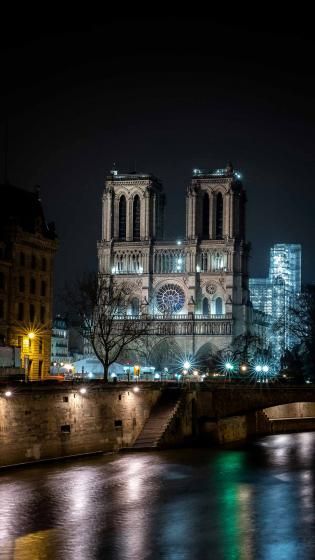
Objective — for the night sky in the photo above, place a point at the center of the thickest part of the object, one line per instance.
(164, 96)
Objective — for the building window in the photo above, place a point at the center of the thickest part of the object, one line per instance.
(218, 306)
(43, 288)
(44, 264)
(40, 368)
(21, 283)
(32, 312)
(42, 314)
(135, 306)
(32, 286)
(2, 281)
(21, 312)
(204, 262)
(219, 217)
(205, 306)
(205, 216)
(1, 309)
(33, 262)
(136, 218)
(22, 259)
(122, 217)
(40, 345)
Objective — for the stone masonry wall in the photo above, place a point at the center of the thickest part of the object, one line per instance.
(40, 422)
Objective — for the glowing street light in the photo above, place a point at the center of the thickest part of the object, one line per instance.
(8, 393)
(258, 368)
(31, 335)
(187, 365)
(229, 366)
(136, 389)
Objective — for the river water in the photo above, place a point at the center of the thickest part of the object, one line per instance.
(251, 503)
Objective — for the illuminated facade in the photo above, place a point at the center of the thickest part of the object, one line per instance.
(59, 340)
(27, 249)
(276, 294)
(193, 289)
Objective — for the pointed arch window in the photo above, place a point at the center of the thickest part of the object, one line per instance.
(205, 216)
(219, 217)
(122, 217)
(135, 306)
(218, 306)
(205, 306)
(136, 218)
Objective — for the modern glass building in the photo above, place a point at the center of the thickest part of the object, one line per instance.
(276, 294)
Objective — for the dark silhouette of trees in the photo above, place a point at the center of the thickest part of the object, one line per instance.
(100, 307)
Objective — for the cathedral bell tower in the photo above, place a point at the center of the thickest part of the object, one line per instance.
(133, 207)
(215, 205)
(132, 219)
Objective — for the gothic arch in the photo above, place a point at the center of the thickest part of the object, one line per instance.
(135, 306)
(122, 217)
(205, 215)
(219, 306)
(136, 218)
(219, 216)
(205, 356)
(205, 306)
(166, 353)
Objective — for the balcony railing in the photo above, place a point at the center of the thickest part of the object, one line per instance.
(189, 324)
(175, 317)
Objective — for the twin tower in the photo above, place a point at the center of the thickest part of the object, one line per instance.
(200, 279)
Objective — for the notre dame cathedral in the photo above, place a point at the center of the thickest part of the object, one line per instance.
(195, 290)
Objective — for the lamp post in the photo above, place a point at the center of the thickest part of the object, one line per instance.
(30, 336)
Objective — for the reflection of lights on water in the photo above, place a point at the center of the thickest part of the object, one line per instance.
(83, 390)
(136, 389)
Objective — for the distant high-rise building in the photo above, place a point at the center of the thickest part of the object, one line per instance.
(276, 294)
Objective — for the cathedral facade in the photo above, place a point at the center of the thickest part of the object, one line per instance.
(195, 289)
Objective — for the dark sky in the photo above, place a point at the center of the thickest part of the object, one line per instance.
(171, 94)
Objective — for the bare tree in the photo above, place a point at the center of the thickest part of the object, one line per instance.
(300, 324)
(101, 305)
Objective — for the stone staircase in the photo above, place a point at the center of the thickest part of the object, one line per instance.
(159, 420)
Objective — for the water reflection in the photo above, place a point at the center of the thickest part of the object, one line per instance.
(255, 503)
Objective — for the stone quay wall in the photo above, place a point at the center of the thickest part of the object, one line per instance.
(44, 422)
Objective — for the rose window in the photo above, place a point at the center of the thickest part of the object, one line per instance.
(170, 298)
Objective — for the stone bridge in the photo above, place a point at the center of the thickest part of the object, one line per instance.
(232, 400)
(236, 412)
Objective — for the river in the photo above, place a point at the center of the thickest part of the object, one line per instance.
(255, 502)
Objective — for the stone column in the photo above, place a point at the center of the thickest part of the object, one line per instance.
(187, 217)
(211, 202)
(116, 217)
(145, 215)
(104, 216)
(153, 228)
